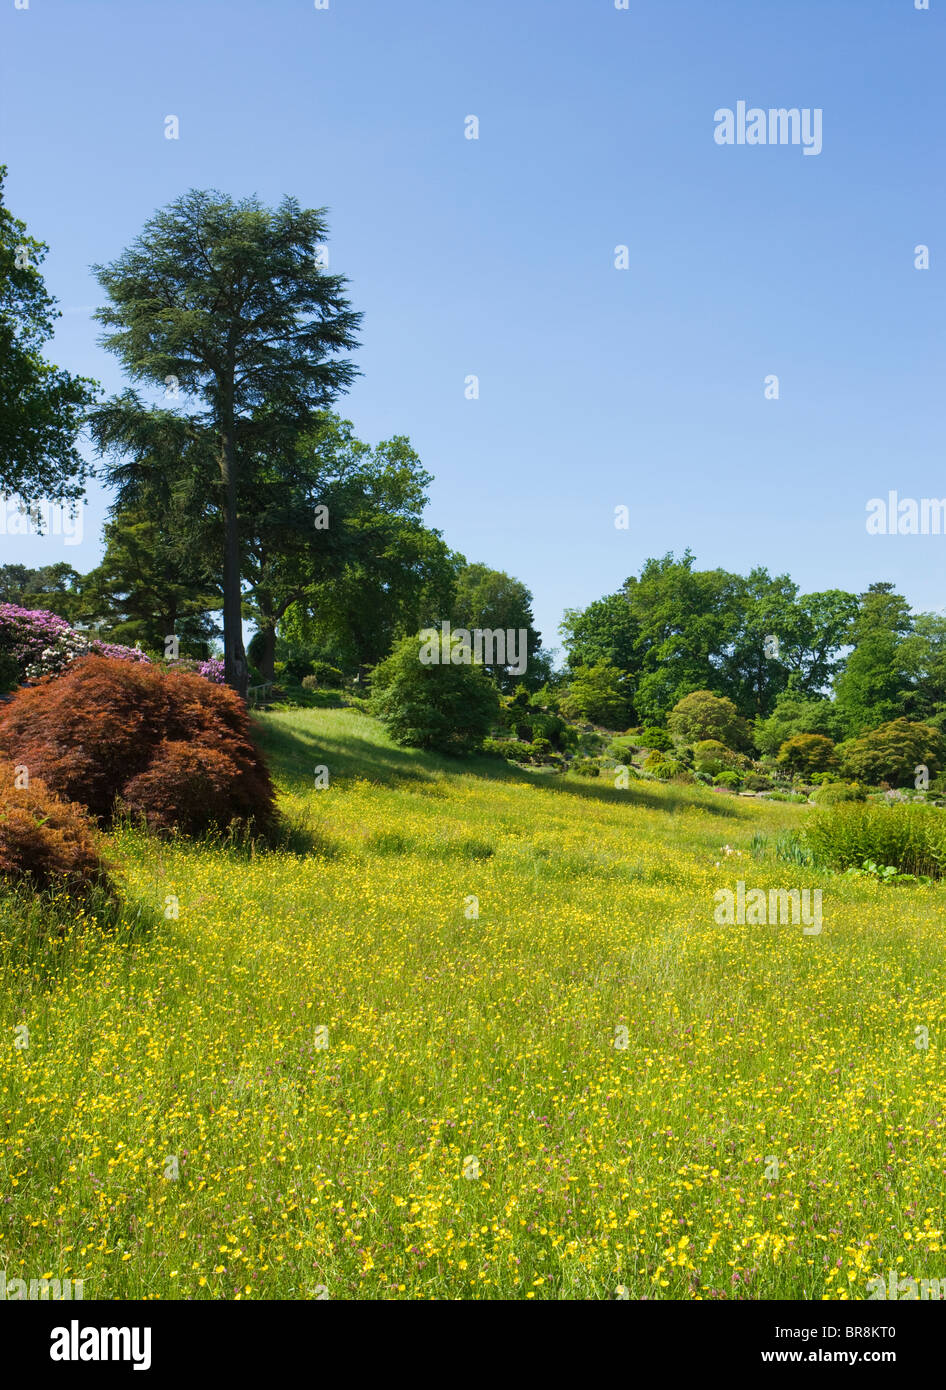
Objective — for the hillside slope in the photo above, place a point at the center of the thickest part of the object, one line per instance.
(476, 1035)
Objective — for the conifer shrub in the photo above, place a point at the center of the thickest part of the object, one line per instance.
(833, 793)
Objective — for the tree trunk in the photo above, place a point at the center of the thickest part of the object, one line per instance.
(236, 672)
(267, 661)
(269, 611)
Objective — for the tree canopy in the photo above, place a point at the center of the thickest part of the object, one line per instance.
(42, 407)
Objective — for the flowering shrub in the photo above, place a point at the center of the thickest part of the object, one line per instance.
(44, 840)
(42, 644)
(26, 632)
(211, 670)
(174, 748)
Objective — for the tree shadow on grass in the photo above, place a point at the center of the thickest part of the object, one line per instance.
(294, 754)
(637, 794)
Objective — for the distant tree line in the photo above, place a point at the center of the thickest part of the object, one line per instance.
(832, 663)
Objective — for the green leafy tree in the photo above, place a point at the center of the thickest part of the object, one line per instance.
(685, 619)
(808, 754)
(145, 590)
(893, 752)
(796, 714)
(598, 692)
(712, 757)
(381, 574)
(703, 715)
(53, 587)
(42, 407)
(675, 629)
(445, 707)
(923, 654)
(605, 630)
(875, 685)
(781, 641)
(225, 303)
(491, 599)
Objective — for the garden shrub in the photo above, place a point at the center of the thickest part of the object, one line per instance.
(211, 669)
(712, 757)
(532, 721)
(40, 643)
(547, 725)
(504, 748)
(892, 753)
(937, 787)
(659, 766)
(832, 793)
(908, 836)
(653, 737)
(438, 705)
(313, 696)
(325, 675)
(540, 753)
(93, 733)
(44, 841)
(664, 771)
(756, 782)
(589, 743)
(599, 692)
(807, 754)
(184, 787)
(796, 714)
(297, 667)
(702, 716)
(683, 777)
(731, 780)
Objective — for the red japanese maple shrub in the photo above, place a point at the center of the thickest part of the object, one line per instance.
(45, 841)
(172, 747)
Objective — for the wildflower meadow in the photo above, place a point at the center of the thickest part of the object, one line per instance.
(476, 1035)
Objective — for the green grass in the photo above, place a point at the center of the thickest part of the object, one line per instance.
(386, 1058)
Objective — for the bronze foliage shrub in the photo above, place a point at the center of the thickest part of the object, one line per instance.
(43, 840)
(174, 748)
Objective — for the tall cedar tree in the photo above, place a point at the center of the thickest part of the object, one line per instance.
(41, 407)
(226, 303)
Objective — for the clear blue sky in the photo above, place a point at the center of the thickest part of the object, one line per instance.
(598, 387)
